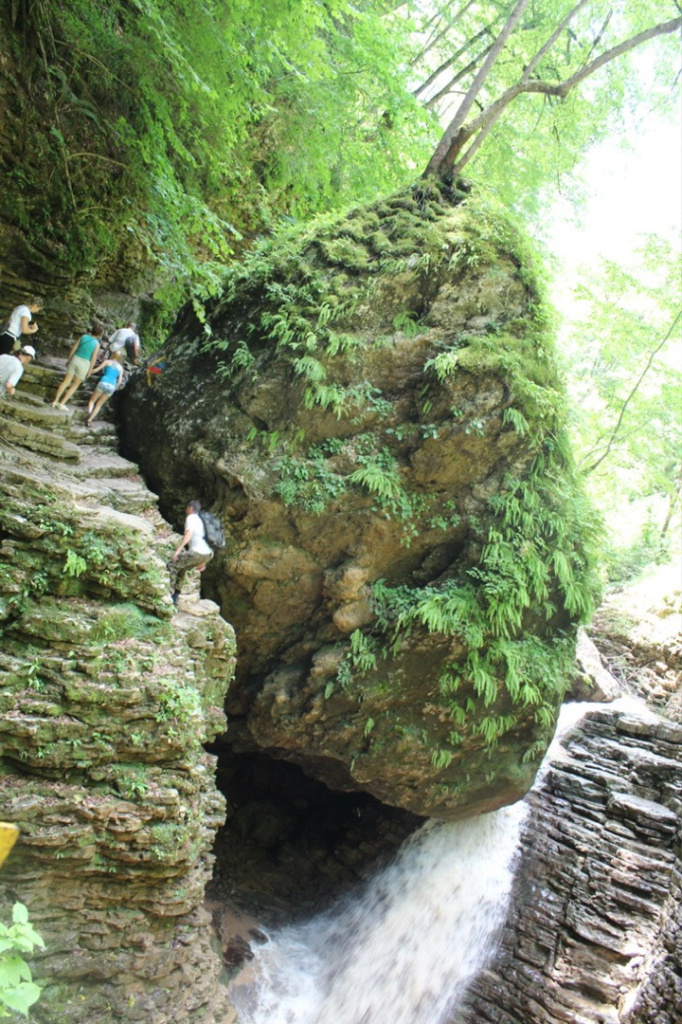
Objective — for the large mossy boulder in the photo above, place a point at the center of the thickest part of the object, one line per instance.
(373, 409)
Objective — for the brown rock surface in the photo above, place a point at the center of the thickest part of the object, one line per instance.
(358, 417)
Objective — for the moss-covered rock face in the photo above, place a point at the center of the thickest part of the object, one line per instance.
(107, 697)
(376, 418)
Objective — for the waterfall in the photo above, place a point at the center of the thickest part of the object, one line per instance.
(403, 950)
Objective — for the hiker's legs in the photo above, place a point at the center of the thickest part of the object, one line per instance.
(70, 391)
(62, 388)
(95, 406)
(76, 372)
(185, 561)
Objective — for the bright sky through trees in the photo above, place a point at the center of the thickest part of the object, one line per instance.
(625, 376)
(629, 192)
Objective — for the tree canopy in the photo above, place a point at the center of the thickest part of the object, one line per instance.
(546, 49)
(622, 364)
(143, 133)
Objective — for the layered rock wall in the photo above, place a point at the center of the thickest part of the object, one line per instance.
(594, 934)
(107, 697)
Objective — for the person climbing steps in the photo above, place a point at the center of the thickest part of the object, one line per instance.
(20, 323)
(198, 553)
(112, 375)
(82, 359)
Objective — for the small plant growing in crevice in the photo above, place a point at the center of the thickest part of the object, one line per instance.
(18, 991)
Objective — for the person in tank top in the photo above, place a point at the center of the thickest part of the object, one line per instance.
(112, 374)
(80, 365)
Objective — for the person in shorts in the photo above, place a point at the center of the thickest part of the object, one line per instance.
(80, 365)
(198, 552)
(112, 374)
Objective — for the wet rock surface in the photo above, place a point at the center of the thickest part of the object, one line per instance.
(594, 931)
(107, 697)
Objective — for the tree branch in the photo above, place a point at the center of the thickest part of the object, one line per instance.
(96, 156)
(441, 157)
(436, 35)
(458, 133)
(597, 39)
(468, 153)
(673, 499)
(531, 66)
(633, 391)
(448, 63)
(433, 100)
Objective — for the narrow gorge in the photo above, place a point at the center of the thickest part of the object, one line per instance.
(342, 801)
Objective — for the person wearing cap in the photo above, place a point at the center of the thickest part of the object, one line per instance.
(19, 324)
(12, 368)
(126, 338)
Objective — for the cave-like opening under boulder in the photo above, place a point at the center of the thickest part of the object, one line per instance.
(290, 845)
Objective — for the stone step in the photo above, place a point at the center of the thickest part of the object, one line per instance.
(32, 410)
(106, 485)
(123, 494)
(27, 408)
(22, 468)
(100, 434)
(37, 439)
(101, 462)
(40, 381)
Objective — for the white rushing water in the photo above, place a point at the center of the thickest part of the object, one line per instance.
(403, 950)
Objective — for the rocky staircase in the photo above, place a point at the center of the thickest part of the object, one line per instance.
(54, 445)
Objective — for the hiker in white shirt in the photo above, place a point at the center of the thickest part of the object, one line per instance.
(18, 325)
(126, 338)
(12, 368)
(198, 552)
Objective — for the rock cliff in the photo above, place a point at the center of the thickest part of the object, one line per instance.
(378, 421)
(594, 932)
(107, 698)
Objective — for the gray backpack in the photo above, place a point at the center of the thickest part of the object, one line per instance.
(215, 538)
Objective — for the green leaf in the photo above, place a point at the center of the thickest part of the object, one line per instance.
(20, 913)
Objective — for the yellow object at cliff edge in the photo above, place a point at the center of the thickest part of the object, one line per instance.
(8, 837)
